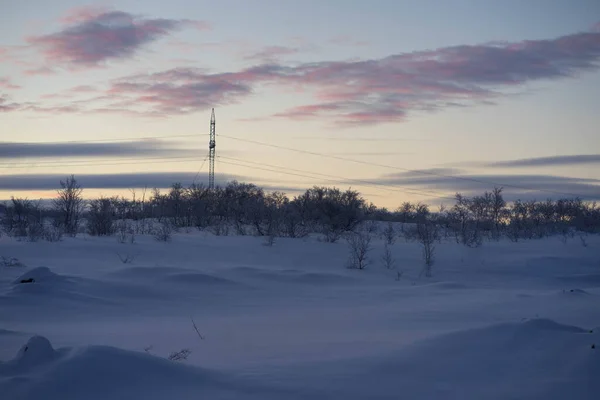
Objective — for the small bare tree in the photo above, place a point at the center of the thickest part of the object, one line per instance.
(163, 232)
(388, 259)
(359, 244)
(389, 233)
(427, 234)
(69, 205)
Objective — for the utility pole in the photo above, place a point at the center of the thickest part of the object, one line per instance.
(211, 152)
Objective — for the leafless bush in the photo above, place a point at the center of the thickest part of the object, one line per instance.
(428, 233)
(331, 236)
(163, 232)
(125, 232)
(410, 233)
(35, 231)
(100, 220)
(399, 275)
(180, 355)
(583, 240)
(269, 240)
(359, 244)
(127, 258)
(11, 262)
(388, 259)
(389, 233)
(371, 227)
(219, 228)
(53, 233)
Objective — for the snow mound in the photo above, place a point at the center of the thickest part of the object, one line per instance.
(101, 372)
(36, 351)
(536, 359)
(40, 275)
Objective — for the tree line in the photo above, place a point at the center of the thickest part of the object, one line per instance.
(246, 209)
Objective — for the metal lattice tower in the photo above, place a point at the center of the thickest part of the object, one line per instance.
(211, 152)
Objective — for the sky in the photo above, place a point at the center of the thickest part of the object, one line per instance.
(400, 100)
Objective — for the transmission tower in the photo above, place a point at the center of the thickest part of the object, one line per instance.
(211, 152)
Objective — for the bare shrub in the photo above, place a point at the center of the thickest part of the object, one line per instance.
(388, 259)
(269, 239)
(163, 232)
(125, 232)
(101, 216)
(583, 240)
(371, 227)
(127, 258)
(11, 262)
(35, 232)
(427, 233)
(331, 236)
(180, 355)
(121, 229)
(389, 233)
(219, 228)
(359, 244)
(53, 233)
(399, 275)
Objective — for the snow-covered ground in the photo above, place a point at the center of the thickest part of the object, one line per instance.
(503, 321)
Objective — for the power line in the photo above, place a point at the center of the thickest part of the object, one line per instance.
(400, 168)
(200, 169)
(360, 181)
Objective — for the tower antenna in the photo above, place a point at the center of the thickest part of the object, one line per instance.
(211, 152)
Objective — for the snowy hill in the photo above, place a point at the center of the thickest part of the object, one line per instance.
(507, 320)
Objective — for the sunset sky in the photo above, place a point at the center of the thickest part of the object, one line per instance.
(401, 100)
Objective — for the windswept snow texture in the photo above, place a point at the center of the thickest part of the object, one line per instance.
(504, 321)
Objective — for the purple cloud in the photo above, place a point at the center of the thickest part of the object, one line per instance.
(39, 71)
(92, 37)
(366, 92)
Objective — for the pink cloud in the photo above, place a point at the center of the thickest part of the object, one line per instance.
(6, 105)
(6, 83)
(81, 14)
(383, 90)
(94, 36)
(83, 89)
(39, 71)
